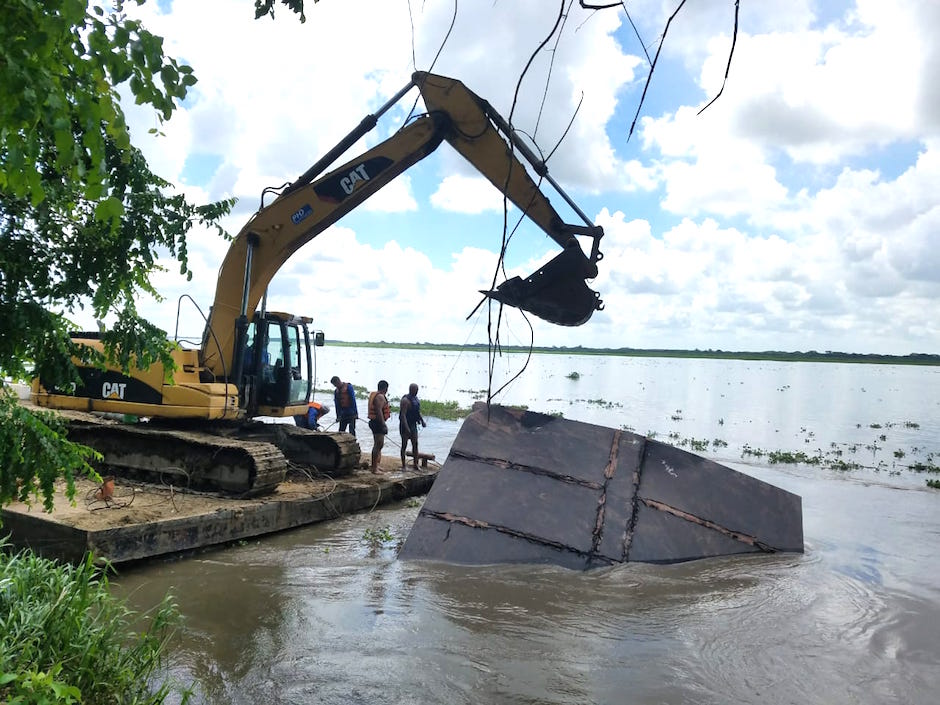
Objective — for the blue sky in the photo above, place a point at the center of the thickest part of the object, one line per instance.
(800, 211)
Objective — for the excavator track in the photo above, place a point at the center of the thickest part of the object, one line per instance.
(320, 452)
(194, 460)
(331, 453)
(235, 458)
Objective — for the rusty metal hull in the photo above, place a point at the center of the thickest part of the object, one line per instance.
(523, 487)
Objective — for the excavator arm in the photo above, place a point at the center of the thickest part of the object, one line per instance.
(556, 292)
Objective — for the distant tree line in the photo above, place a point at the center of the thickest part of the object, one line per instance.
(776, 355)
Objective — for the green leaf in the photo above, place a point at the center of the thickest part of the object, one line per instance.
(110, 209)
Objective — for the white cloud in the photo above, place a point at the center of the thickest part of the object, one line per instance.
(789, 215)
(396, 197)
(467, 194)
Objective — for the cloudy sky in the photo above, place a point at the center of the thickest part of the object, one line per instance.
(800, 211)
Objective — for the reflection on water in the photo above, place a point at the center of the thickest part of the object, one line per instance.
(318, 615)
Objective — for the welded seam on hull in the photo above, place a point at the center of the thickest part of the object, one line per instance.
(598, 532)
(506, 465)
(515, 533)
(736, 535)
(635, 504)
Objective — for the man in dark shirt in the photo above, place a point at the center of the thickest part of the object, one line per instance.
(409, 416)
(345, 405)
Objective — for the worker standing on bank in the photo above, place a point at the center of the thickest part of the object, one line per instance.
(379, 413)
(345, 399)
(409, 416)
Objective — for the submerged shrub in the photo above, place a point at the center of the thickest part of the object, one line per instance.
(64, 638)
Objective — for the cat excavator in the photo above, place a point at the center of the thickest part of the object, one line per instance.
(201, 418)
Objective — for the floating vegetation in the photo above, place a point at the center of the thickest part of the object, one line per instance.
(447, 410)
(747, 450)
(842, 465)
(823, 460)
(378, 537)
(603, 403)
(677, 416)
(833, 458)
(789, 457)
(573, 375)
(699, 445)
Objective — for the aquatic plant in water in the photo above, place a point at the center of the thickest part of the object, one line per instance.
(377, 537)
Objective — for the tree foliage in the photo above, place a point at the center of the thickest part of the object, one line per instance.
(266, 7)
(83, 219)
(32, 454)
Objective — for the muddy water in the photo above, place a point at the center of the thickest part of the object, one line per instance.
(320, 615)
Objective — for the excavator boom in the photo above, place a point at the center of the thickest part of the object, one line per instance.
(312, 203)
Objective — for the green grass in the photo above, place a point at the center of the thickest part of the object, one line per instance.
(448, 410)
(65, 639)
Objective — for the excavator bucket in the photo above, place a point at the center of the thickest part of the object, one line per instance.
(557, 292)
(523, 487)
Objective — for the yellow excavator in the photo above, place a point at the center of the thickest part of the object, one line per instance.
(255, 363)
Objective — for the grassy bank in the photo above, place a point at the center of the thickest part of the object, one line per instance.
(65, 639)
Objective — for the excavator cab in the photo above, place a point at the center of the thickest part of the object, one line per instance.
(277, 370)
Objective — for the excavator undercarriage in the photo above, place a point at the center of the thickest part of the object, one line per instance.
(246, 459)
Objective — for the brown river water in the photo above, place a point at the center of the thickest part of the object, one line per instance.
(321, 615)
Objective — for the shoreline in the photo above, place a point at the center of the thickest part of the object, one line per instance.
(916, 359)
